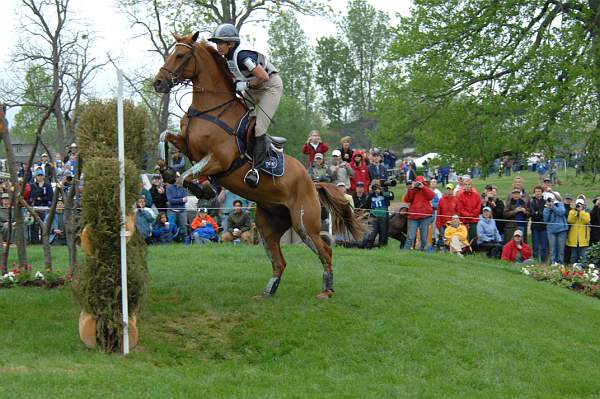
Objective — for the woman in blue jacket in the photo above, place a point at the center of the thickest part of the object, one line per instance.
(557, 227)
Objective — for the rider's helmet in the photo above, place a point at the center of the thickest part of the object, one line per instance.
(225, 33)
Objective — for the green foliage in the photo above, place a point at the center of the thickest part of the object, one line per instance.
(38, 95)
(97, 130)
(290, 53)
(335, 76)
(365, 31)
(593, 254)
(535, 60)
(98, 280)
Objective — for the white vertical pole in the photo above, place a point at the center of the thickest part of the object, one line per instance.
(121, 143)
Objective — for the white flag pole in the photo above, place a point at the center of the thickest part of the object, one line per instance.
(121, 144)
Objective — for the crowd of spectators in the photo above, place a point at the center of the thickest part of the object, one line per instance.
(457, 218)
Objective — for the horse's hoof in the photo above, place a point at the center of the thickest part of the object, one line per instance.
(325, 294)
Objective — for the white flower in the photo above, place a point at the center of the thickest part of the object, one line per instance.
(39, 275)
(594, 279)
(591, 266)
(11, 274)
(525, 271)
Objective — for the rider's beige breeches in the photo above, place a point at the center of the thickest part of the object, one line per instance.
(267, 97)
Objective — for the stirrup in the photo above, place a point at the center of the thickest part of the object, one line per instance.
(249, 178)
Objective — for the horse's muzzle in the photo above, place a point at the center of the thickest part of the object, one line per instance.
(162, 86)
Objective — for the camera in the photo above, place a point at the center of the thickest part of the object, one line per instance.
(389, 183)
(578, 206)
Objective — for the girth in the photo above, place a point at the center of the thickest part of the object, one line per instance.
(238, 162)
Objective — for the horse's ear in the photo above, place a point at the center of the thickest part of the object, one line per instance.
(195, 37)
(176, 36)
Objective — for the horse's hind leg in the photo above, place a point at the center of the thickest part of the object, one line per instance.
(272, 223)
(307, 223)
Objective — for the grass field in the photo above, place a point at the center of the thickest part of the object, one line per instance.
(401, 324)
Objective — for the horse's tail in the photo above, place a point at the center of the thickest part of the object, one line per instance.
(343, 219)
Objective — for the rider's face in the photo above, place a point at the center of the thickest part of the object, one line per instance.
(223, 48)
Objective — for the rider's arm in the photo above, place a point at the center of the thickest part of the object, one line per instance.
(259, 73)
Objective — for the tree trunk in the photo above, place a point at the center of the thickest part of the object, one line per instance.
(19, 225)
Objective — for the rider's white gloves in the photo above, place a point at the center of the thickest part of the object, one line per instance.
(241, 85)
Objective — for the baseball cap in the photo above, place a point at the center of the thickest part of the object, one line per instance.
(450, 186)
(336, 153)
(516, 190)
(420, 179)
(318, 155)
(376, 151)
(5, 195)
(487, 208)
(360, 183)
(341, 184)
(73, 145)
(547, 179)
(202, 210)
(580, 201)
(568, 196)
(518, 233)
(39, 172)
(44, 155)
(489, 187)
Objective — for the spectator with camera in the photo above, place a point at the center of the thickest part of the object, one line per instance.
(488, 236)
(378, 203)
(339, 170)
(346, 149)
(159, 194)
(314, 145)
(578, 237)
(516, 214)
(446, 208)
(555, 217)
(516, 250)
(163, 231)
(204, 227)
(318, 170)
(595, 221)
(238, 225)
(361, 171)
(491, 200)
(468, 203)
(539, 235)
(144, 217)
(420, 214)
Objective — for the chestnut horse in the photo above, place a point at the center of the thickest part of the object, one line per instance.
(291, 200)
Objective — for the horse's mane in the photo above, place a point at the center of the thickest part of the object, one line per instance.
(221, 63)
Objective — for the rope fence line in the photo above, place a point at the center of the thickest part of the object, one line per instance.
(473, 220)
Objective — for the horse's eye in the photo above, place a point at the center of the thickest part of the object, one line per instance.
(179, 56)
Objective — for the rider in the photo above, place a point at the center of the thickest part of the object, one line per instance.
(255, 75)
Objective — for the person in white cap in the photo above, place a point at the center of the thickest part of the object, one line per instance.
(578, 237)
(557, 227)
(516, 250)
(340, 171)
(342, 188)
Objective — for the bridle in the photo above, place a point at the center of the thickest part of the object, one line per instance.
(174, 76)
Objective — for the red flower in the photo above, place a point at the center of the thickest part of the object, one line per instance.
(565, 273)
(16, 271)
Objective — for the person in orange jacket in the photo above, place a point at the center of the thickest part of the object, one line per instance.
(204, 227)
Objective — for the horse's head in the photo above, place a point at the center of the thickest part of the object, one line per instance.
(180, 64)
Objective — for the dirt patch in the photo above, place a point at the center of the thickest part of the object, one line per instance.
(205, 334)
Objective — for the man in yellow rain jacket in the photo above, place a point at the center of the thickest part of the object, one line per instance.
(579, 234)
(456, 236)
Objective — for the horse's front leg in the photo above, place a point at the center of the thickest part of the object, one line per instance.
(163, 144)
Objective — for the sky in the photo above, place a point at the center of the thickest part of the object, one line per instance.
(114, 34)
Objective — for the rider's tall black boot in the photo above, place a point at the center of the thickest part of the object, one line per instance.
(259, 155)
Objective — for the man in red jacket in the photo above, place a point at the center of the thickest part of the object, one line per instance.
(516, 251)
(361, 171)
(468, 204)
(446, 208)
(420, 213)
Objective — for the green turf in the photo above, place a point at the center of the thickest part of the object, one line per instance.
(401, 324)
